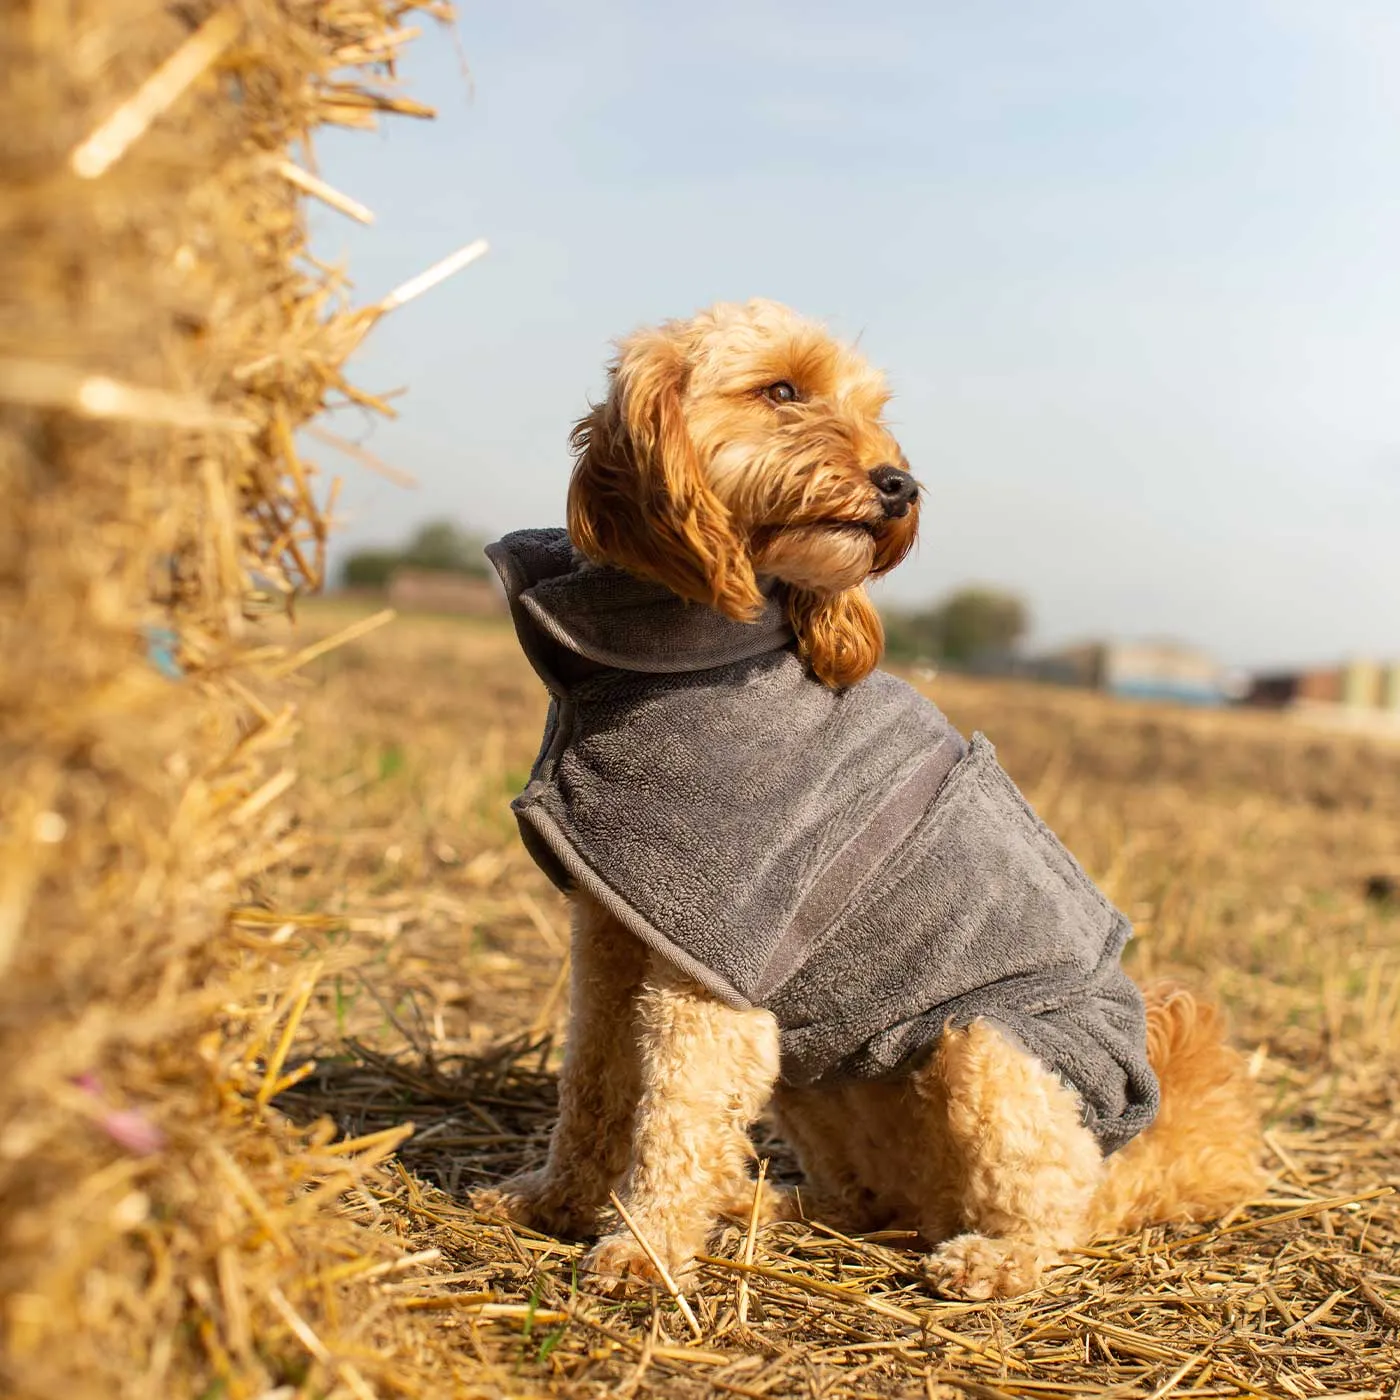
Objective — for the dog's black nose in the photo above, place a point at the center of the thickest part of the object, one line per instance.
(897, 489)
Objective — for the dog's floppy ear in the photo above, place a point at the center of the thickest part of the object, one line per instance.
(638, 498)
(840, 636)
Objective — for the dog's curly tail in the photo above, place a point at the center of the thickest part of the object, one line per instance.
(1201, 1156)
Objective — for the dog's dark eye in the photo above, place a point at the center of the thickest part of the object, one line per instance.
(781, 392)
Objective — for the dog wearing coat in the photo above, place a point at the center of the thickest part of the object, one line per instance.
(795, 886)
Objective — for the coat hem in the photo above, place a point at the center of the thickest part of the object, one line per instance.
(586, 879)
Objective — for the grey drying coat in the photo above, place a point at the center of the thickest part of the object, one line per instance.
(841, 858)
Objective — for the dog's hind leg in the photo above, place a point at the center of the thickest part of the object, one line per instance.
(1201, 1155)
(598, 1086)
(1026, 1167)
(707, 1072)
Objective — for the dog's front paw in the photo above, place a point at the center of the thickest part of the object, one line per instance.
(618, 1265)
(532, 1199)
(977, 1268)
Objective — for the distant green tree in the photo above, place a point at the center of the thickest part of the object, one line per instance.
(439, 545)
(369, 568)
(977, 621)
(446, 547)
(968, 624)
(912, 637)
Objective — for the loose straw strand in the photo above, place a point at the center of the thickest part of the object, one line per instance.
(124, 127)
(750, 1239)
(438, 272)
(663, 1272)
(313, 185)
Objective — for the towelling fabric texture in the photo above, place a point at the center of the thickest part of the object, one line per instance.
(841, 858)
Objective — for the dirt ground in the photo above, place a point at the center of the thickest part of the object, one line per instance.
(1259, 860)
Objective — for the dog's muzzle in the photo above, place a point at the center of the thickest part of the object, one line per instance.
(897, 490)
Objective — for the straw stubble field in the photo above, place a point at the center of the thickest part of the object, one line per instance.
(1256, 859)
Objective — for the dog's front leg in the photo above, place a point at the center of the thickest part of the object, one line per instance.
(1026, 1167)
(598, 1086)
(707, 1072)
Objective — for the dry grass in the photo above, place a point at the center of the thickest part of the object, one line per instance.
(1242, 846)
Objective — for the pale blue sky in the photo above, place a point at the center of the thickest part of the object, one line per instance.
(1132, 267)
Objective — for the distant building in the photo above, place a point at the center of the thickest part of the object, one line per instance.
(1140, 670)
(1362, 686)
(437, 591)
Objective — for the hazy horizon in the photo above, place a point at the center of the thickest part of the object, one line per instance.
(1130, 272)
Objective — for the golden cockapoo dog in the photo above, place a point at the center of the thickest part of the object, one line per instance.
(743, 444)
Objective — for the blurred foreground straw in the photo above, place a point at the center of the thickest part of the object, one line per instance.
(162, 339)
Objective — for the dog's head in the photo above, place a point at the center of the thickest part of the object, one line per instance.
(748, 442)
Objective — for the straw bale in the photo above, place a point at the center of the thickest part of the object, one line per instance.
(163, 333)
